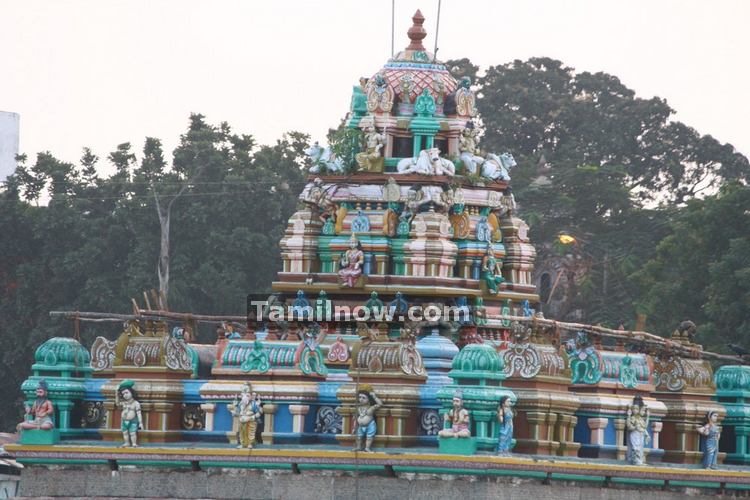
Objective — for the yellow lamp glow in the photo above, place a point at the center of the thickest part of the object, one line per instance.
(566, 239)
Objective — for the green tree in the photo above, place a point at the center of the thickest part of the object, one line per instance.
(96, 241)
(701, 271)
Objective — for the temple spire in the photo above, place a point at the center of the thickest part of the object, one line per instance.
(416, 32)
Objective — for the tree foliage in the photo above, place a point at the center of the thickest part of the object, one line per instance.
(598, 162)
(96, 242)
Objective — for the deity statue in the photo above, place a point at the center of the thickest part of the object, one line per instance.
(379, 94)
(229, 332)
(371, 159)
(248, 412)
(131, 420)
(492, 270)
(351, 263)
(391, 191)
(465, 99)
(505, 419)
(456, 421)
(374, 305)
(398, 306)
(636, 424)
(301, 306)
(39, 415)
(424, 105)
(364, 424)
(468, 150)
(319, 199)
(710, 446)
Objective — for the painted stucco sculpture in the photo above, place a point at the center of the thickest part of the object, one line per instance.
(131, 418)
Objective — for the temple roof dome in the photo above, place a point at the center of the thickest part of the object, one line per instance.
(414, 69)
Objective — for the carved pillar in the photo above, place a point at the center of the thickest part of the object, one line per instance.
(64, 408)
(482, 419)
(161, 414)
(298, 417)
(597, 426)
(209, 409)
(681, 430)
(269, 410)
(620, 438)
(549, 433)
(655, 430)
(346, 413)
(535, 420)
(399, 419)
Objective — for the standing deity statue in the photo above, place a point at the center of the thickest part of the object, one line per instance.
(710, 446)
(505, 419)
(131, 419)
(456, 420)
(364, 423)
(351, 263)
(39, 415)
(492, 270)
(372, 159)
(636, 424)
(248, 412)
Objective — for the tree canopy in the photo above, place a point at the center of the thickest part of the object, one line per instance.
(96, 242)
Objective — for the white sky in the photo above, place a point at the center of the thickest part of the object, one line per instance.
(98, 73)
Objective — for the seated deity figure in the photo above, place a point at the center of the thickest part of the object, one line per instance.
(492, 270)
(456, 421)
(467, 148)
(364, 424)
(351, 263)
(40, 414)
(372, 159)
(636, 424)
(131, 420)
(248, 412)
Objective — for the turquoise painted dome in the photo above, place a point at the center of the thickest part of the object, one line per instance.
(62, 351)
(478, 362)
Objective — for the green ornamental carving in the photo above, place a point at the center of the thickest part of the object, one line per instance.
(257, 359)
(733, 378)
(628, 376)
(585, 361)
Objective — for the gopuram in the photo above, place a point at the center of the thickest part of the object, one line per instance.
(404, 341)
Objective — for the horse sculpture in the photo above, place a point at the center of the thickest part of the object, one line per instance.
(323, 158)
(496, 167)
(428, 163)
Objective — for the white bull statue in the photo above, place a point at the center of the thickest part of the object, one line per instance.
(427, 163)
(323, 158)
(496, 167)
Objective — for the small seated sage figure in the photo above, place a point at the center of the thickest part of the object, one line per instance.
(456, 421)
(131, 420)
(40, 414)
(505, 419)
(637, 427)
(364, 423)
(711, 432)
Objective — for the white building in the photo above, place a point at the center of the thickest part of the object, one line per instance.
(9, 133)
